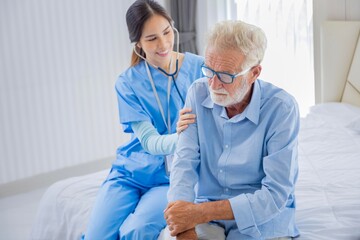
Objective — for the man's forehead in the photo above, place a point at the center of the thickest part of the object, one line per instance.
(223, 58)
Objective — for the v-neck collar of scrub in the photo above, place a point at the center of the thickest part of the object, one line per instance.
(182, 73)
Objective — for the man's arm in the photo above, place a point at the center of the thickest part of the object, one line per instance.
(182, 216)
(217, 210)
(280, 167)
(187, 235)
(184, 175)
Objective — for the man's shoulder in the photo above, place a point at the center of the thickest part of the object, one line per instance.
(200, 84)
(273, 94)
(199, 89)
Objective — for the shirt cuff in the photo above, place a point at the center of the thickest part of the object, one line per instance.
(244, 217)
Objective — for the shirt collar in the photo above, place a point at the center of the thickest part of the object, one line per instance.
(251, 112)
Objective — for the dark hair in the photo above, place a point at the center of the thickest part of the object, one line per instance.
(136, 16)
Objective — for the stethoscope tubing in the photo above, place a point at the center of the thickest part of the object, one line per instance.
(172, 75)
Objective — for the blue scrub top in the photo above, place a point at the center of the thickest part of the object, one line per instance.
(137, 102)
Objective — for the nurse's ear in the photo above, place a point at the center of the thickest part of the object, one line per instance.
(138, 45)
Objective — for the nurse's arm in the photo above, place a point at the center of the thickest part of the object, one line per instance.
(157, 144)
(152, 141)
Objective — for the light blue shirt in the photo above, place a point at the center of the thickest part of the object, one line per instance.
(250, 159)
(137, 103)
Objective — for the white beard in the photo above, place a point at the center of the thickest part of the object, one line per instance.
(223, 98)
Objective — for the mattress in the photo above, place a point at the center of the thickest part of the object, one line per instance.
(327, 191)
(65, 207)
(328, 188)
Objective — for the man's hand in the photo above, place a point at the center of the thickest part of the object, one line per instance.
(181, 216)
(187, 235)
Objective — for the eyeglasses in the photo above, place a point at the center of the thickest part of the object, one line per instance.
(224, 77)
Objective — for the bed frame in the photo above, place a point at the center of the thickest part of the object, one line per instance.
(340, 62)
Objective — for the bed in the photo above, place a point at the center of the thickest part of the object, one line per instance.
(328, 188)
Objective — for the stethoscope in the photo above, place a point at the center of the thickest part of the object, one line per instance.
(171, 78)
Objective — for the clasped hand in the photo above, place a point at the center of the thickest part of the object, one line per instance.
(181, 216)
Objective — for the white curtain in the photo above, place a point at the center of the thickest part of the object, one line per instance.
(288, 61)
(208, 12)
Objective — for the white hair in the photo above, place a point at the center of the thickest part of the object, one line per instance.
(250, 40)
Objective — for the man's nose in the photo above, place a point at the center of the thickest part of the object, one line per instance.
(215, 83)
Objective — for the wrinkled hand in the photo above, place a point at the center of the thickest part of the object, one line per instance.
(181, 216)
(185, 118)
(187, 235)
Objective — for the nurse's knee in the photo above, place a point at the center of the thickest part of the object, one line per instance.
(140, 229)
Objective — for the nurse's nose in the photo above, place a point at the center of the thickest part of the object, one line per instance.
(162, 43)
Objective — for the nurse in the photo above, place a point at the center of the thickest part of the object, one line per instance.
(150, 93)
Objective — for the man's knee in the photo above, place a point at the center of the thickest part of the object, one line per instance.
(204, 231)
(210, 231)
(165, 234)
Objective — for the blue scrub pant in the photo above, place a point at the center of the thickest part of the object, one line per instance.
(126, 210)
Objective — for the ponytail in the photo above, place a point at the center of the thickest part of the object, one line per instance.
(135, 59)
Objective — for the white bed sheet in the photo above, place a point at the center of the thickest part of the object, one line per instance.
(65, 208)
(328, 188)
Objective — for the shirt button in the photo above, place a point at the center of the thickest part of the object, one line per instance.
(226, 189)
(226, 146)
(221, 170)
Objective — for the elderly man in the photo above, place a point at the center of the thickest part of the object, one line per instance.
(235, 169)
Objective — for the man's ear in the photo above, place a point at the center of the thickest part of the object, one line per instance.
(255, 72)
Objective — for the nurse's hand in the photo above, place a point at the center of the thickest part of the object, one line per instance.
(185, 118)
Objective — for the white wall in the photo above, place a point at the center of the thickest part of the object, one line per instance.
(344, 10)
(207, 14)
(58, 64)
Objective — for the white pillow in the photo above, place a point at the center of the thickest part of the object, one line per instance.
(335, 114)
(354, 125)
